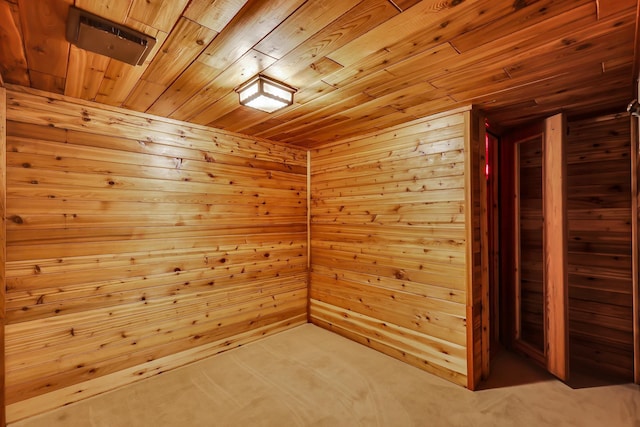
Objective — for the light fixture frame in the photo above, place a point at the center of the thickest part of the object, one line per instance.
(262, 91)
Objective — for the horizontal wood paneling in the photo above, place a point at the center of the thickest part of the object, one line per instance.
(390, 237)
(137, 244)
(530, 238)
(600, 242)
(107, 382)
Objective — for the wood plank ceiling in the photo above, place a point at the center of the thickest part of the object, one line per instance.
(360, 65)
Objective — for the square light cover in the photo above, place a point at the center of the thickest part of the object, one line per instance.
(265, 94)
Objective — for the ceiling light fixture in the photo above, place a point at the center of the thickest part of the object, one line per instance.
(265, 94)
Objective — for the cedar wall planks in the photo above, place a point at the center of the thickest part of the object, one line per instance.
(531, 250)
(600, 245)
(136, 244)
(391, 257)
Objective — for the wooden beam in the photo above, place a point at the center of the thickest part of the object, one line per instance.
(555, 246)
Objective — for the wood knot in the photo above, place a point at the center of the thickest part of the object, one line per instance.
(400, 274)
(519, 4)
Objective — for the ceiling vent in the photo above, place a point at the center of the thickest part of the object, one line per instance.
(99, 35)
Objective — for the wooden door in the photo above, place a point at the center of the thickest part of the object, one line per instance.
(537, 268)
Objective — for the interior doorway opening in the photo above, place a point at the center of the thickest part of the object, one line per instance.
(599, 289)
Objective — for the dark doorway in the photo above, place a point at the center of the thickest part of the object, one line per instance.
(599, 287)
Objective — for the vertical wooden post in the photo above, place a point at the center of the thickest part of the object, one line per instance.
(477, 268)
(484, 247)
(635, 216)
(469, 228)
(635, 164)
(3, 240)
(308, 236)
(555, 246)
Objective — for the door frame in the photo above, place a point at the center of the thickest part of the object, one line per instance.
(635, 217)
(555, 357)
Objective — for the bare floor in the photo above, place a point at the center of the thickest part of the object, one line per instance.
(310, 377)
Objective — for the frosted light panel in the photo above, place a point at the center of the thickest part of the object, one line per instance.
(266, 104)
(249, 91)
(277, 91)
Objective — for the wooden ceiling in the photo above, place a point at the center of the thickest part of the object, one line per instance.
(360, 65)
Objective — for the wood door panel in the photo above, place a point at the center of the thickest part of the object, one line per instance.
(538, 291)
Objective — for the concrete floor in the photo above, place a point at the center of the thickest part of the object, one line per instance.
(310, 377)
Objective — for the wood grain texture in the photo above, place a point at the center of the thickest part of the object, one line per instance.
(477, 255)
(148, 369)
(187, 40)
(392, 264)
(529, 265)
(13, 61)
(86, 72)
(213, 14)
(600, 245)
(159, 14)
(138, 250)
(358, 65)
(120, 78)
(554, 209)
(3, 249)
(114, 11)
(44, 36)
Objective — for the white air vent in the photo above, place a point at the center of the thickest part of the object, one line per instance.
(99, 35)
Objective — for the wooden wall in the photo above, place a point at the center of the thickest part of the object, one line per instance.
(392, 265)
(530, 253)
(136, 244)
(600, 245)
